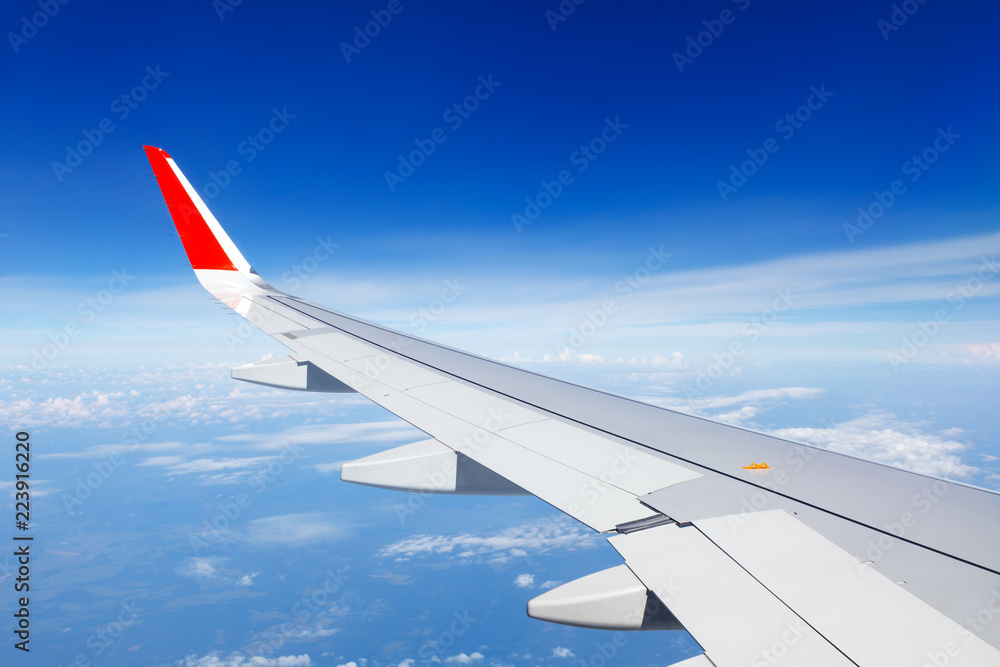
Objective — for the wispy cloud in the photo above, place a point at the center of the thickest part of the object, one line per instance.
(177, 465)
(216, 659)
(501, 547)
(685, 311)
(882, 437)
(877, 435)
(247, 579)
(295, 529)
(188, 395)
(754, 397)
(854, 302)
(201, 568)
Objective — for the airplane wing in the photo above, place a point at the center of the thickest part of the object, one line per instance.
(766, 551)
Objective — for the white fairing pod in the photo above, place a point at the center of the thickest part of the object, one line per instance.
(428, 467)
(612, 599)
(288, 373)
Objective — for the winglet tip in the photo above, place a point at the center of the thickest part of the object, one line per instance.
(153, 149)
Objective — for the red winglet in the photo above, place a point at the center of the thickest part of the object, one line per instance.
(202, 247)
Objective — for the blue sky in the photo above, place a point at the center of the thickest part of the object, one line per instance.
(712, 197)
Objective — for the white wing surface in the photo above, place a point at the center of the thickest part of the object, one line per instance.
(816, 559)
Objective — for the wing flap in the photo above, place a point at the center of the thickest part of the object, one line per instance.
(793, 595)
(732, 615)
(872, 619)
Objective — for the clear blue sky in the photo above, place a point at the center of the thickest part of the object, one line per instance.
(325, 171)
(634, 142)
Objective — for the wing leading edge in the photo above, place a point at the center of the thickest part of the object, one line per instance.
(684, 508)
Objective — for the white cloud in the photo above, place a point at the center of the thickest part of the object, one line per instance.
(550, 584)
(704, 302)
(200, 568)
(881, 437)
(463, 659)
(525, 581)
(738, 417)
(247, 579)
(749, 404)
(215, 659)
(234, 457)
(176, 465)
(560, 652)
(877, 436)
(702, 311)
(295, 529)
(569, 357)
(985, 352)
(755, 396)
(540, 537)
(373, 432)
(139, 400)
(95, 408)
